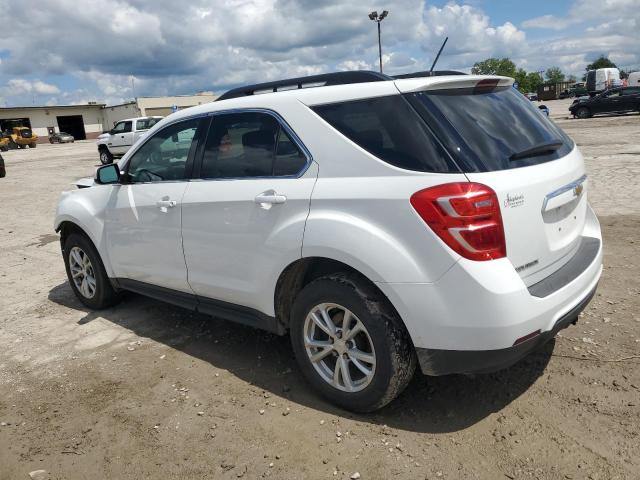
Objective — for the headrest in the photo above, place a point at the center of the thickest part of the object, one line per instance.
(258, 139)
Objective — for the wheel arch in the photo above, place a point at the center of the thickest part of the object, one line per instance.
(303, 271)
(66, 225)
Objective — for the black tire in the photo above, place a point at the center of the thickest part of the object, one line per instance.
(105, 295)
(33, 145)
(22, 146)
(105, 156)
(394, 353)
(583, 113)
(4, 149)
(51, 141)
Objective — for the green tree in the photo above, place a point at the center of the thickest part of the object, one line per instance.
(554, 75)
(495, 66)
(600, 62)
(533, 81)
(521, 78)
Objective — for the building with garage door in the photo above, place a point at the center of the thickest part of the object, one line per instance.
(154, 106)
(89, 120)
(81, 121)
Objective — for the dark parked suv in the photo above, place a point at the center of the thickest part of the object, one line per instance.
(615, 100)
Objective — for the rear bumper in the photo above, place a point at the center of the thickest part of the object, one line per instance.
(444, 362)
(470, 319)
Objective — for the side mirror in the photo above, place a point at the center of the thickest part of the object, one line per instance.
(3, 171)
(108, 174)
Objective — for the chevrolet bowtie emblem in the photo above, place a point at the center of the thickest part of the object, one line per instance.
(577, 191)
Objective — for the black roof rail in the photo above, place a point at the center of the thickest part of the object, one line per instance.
(427, 73)
(322, 80)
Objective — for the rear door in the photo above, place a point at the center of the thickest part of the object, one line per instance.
(243, 221)
(500, 140)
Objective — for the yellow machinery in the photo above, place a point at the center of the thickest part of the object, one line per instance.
(23, 137)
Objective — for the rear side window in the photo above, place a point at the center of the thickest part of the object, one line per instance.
(388, 128)
(289, 159)
(240, 145)
(146, 123)
(249, 144)
(488, 129)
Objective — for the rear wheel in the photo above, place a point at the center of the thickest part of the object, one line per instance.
(86, 273)
(105, 157)
(350, 343)
(33, 145)
(583, 113)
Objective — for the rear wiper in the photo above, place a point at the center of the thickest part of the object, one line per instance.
(537, 150)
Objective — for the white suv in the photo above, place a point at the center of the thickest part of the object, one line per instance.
(383, 223)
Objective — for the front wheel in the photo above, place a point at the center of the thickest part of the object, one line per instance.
(86, 273)
(105, 157)
(350, 343)
(583, 113)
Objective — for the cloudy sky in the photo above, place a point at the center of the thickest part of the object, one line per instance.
(66, 51)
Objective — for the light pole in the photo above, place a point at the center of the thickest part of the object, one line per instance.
(378, 18)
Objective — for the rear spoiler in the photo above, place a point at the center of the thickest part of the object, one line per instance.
(454, 81)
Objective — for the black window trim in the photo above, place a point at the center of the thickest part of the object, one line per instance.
(282, 124)
(191, 157)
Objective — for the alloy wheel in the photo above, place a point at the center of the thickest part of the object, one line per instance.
(339, 347)
(82, 272)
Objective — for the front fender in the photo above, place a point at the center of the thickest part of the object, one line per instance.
(85, 208)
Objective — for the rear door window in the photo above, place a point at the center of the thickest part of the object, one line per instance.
(388, 128)
(289, 159)
(489, 128)
(146, 123)
(240, 145)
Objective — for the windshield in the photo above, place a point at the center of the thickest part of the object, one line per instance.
(488, 129)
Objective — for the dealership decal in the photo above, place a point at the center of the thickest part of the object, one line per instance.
(513, 201)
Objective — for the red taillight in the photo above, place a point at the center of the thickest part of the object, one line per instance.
(466, 216)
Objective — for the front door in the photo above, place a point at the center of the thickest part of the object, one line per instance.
(143, 225)
(243, 222)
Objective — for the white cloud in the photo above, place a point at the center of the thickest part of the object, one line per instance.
(18, 86)
(171, 47)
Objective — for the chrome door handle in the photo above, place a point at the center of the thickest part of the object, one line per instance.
(270, 197)
(164, 205)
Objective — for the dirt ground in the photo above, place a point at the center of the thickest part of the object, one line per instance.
(147, 390)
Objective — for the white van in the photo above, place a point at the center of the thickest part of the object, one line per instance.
(603, 78)
(634, 79)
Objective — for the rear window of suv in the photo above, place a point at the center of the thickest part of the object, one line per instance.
(492, 128)
(388, 128)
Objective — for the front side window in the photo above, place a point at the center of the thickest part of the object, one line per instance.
(164, 156)
(249, 144)
(122, 127)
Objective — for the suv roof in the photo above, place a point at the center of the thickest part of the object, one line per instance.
(325, 80)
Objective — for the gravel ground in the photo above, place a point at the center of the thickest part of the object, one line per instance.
(147, 390)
